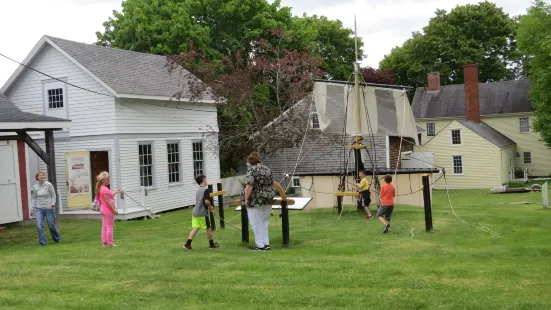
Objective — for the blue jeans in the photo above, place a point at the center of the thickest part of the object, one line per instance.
(50, 217)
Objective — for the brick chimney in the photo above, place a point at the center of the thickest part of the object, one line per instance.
(433, 81)
(472, 103)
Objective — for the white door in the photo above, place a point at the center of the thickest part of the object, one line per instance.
(10, 189)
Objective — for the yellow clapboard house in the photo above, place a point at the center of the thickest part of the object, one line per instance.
(479, 132)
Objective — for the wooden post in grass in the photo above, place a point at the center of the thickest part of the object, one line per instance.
(427, 203)
(221, 206)
(244, 225)
(284, 214)
(284, 202)
(285, 223)
(545, 196)
(212, 220)
(339, 204)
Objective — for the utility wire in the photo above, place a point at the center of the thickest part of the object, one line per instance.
(82, 88)
(99, 93)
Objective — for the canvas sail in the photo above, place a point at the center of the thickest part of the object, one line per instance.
(384, 111)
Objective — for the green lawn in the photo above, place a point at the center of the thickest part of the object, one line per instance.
(348, 264)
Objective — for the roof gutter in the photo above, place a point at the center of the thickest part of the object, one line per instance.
(365, 84)
(163, 98)
(369, 172)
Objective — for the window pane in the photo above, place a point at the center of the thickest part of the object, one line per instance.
(173, 162)
(527, 157)
(315, 121)
(145, 159)
(55, 98)
(456, 136)
(457, 164)
(524, 124)
(431, 129)
(198, 157)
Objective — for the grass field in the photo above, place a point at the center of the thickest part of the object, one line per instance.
(347, 264)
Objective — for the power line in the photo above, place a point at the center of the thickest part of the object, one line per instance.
(99, 93)
(38, 71)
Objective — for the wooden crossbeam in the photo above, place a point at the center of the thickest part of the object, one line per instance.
(356, 146)
(276, 202)
(280, 190)
(342, 194)
(218, 193)
(34, 146)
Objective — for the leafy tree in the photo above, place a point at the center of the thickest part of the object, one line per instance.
(533, 40)
(252, 52)
(480, 33)
(219, 28)
(157, 27)
(329, 39)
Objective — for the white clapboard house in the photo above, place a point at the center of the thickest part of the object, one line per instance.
(124, 119)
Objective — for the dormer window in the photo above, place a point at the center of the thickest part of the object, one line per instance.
(314, 121)
(431, 129)
(524, 125)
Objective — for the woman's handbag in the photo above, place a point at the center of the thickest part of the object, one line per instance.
(96, 204)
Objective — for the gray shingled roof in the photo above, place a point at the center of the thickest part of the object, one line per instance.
(488, 133)
(495, 98)
(9, 113)
(128, 72)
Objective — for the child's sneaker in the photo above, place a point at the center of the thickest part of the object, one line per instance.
(187, 247)
(369, 217)
(258, 249)
(267, 247)
(214, 246)
(386, 230)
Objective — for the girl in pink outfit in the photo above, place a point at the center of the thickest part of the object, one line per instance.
(107, 208)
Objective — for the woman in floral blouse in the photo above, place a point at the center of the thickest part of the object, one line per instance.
(258, 196)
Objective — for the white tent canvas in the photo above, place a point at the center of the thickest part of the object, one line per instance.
(384, 111)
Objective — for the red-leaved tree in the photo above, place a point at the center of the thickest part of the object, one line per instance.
(378, 76)
(253, 92)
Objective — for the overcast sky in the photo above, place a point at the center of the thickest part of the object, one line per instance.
(382, 24)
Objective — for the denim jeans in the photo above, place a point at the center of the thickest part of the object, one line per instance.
(50, 217)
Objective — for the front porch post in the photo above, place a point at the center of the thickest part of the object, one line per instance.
(52, 177)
